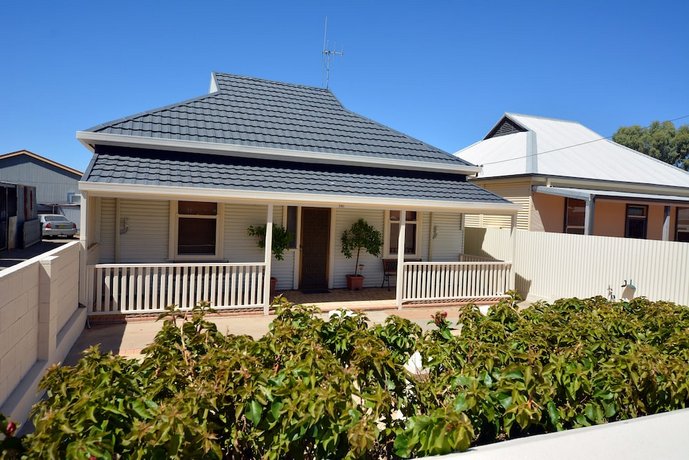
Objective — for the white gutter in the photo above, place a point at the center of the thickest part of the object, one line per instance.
(90, 139)
(286, 198)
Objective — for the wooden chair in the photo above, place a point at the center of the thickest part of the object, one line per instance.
(390, 269)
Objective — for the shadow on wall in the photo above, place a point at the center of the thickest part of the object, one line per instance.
(522, 285)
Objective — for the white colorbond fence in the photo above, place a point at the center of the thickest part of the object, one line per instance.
(554, 265)
(436, 281)
(149, 288)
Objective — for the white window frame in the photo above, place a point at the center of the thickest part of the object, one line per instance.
(174, 233)
(386, 237)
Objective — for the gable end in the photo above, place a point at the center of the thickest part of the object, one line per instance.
(505, 127)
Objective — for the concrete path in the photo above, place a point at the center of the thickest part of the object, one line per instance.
(130, 338)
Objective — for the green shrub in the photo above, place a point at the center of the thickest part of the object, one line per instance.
(312, 388)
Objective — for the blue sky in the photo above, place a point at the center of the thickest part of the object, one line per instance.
(442, 71)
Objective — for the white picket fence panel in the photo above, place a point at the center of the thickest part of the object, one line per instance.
(433, 281)
(149, 288)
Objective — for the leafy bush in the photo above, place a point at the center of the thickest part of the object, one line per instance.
(312, 388)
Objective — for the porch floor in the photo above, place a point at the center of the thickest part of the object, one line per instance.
(366, 299)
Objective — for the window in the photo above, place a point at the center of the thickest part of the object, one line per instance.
(291, 219)
(410, 234)
(682, 225)
(636, 221)
(197, 228)
(575, 216)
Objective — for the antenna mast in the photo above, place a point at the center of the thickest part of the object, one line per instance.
(328, 54)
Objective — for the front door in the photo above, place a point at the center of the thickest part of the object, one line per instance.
(315, 242)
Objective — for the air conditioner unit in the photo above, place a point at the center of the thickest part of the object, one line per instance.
(73, 198)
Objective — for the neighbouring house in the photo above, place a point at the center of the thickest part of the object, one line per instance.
(169, 195)
(19, 225)
(57, 185)
(567, 178)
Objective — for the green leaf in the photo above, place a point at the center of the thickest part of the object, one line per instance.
(253, 412)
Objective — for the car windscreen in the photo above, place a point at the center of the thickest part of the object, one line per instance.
(56, 219)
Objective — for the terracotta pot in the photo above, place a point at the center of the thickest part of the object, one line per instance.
(355, 282)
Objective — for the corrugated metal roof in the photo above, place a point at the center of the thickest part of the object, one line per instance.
(254, 112)
(149, 167)
(569, 149)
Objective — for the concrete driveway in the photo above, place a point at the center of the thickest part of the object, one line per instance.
(12, 257)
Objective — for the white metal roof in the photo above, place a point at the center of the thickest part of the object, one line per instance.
(568, 149)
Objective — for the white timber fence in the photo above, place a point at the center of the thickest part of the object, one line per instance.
(40, 320)
(438, 281)
(149, 288)
(554, 265)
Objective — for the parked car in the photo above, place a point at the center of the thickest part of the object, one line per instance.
(57, 225)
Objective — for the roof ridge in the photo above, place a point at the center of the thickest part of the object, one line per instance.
(439, 150)
(274, 82)
(41, 158)
(541, 117)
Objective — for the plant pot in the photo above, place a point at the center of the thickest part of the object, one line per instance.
(273, 287)
(355, 282)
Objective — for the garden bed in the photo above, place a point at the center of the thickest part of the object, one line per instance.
(312, 388)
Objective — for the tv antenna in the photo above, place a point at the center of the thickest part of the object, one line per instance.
(328, 54)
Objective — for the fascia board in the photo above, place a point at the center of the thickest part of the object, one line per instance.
(253, 196)
(89, 139)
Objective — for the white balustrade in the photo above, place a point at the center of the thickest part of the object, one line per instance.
(149, 288)
(430, 281)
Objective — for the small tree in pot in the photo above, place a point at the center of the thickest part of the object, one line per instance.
(280, 243)
(360, 236)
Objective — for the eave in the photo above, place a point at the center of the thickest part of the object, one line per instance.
(283, 198)
(91, 139)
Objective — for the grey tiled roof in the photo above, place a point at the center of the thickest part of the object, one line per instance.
(148, 167)
(260, 113)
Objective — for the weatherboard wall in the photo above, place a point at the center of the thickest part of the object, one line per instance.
(53, 185)
(518, 192)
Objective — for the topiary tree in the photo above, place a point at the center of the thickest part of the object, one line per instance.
(281, 239)
(360, 236)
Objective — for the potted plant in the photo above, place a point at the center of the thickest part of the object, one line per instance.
(360, 236)
(280, 243)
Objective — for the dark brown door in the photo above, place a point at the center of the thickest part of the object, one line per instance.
(315, 241)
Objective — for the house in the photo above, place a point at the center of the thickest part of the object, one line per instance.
(19, 225)
(57, 185)
(567, 178)
(169, 195)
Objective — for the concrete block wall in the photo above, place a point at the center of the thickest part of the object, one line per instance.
(40, 320)
(18, 324)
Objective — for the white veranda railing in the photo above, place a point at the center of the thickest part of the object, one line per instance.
(430, 281)
(149, 288)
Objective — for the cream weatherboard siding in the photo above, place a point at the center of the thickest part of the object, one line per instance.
(446, 237)
(238, 246)
(108, 228)
(144, 238)
(373, 268)
(518, 192)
